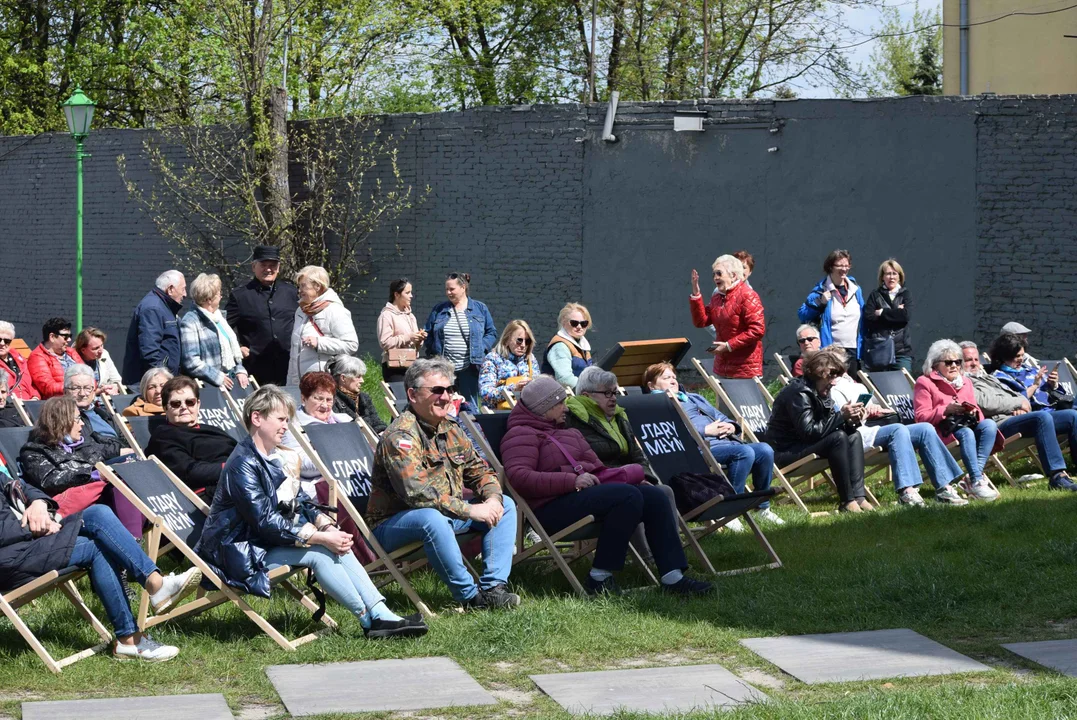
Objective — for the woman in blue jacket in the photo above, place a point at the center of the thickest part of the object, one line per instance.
(836, 305)
(463, 332)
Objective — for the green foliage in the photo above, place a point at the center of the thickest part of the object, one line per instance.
(905, 62)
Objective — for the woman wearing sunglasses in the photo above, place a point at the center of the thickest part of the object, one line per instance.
(462, 331)
(13, 365)
(736, 313)
(509, 366)
(194, 452)
(944, 397)
(568, 354)
(803, 421)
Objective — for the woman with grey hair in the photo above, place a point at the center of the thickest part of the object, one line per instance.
(209, 349)
(323, 329)
(149, 400)
(349, 372)
(594, 411)
(944, 397)
(736, 313)
(13, 365)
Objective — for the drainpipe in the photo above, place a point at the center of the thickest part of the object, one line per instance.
(964, 62)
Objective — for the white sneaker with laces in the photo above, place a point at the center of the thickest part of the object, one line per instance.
(910, 496)
(175, 588)
(768, 515)
(735, 525)
(948, 496)
(147, 650)
(982, 490)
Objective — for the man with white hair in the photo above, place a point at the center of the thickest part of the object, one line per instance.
(153, 336)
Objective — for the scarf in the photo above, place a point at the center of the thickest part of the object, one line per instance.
(230, 352)
(893, 293)
(582, 343)
(314, 307)
(593, 412)
(958, 382)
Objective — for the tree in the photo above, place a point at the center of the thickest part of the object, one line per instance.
(905, 58)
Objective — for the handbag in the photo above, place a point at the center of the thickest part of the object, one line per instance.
(401, 357)
(18, 501)
(631, 474)
(690, 490)
(877, 351)
(1059, 399)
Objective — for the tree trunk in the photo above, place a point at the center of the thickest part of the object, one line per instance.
(273, 159)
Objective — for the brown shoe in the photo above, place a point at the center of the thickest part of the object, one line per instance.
(865, 505)
(853, 507)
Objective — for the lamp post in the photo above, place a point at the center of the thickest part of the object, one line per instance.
(79, 113)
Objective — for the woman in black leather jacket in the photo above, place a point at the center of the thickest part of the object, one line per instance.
(803, 421)
(261, 519)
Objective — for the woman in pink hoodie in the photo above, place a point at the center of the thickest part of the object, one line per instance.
(554, 469)
(398, 331)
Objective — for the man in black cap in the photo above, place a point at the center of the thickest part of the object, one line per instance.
(262, 313)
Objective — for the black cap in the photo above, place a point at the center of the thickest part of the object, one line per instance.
(266, 252)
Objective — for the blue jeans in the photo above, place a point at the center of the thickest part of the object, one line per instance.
(740, 458)
(902, 442)
(976, 446)
(1045, 427)
(104, 547)
(342, 577)
(438, 532)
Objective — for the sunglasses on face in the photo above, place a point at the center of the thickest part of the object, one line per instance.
(5, 341)
(523, 341)
(579, 323)
(806, 340)
(952, 363)
(65, 335)
(177, 404)
(440, 389)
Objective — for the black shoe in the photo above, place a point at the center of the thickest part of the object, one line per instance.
(608, 586)
(497, 597)
(411, 626)
(688, 586)
(1062, 482)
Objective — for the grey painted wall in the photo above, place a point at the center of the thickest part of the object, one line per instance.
(975, 197)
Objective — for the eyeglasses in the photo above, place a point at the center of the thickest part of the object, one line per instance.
(6, 341)
(843, 267)
(523, 341)
(177, 404)
(81, 389)
(64, 335)
(806, 340)
(608, 394)
(579, 323)
(952, 363)
(439, 389)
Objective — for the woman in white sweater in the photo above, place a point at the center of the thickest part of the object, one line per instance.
(323, 326)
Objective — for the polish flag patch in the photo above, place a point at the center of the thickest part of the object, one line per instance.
(405, 444)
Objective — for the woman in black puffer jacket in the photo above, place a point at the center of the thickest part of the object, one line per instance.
(803, 421)
(886, 315)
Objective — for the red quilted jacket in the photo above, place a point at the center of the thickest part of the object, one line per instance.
(536, 468)
(737, 318)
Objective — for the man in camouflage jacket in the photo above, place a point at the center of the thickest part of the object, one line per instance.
(422, 464)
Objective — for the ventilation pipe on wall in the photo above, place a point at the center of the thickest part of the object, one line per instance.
(964, 61)
(611, 112)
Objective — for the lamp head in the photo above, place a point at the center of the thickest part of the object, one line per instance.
(78, 109)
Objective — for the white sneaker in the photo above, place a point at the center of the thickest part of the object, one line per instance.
(981, 490)
(735, 525)
(910, 496)
(768, 515)
(175, 588)
(949, 496)
(147, 650)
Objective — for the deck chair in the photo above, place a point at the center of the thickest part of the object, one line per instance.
(214, 410)
(344, 455)
(562, 546)
(11, 442)
(29, 410)
(64, 581)
(785, 364)
(630, 390)
(178, 515)
(116, 404)
(672, 445)
(748, 403)
(138, 430)
(235, 398)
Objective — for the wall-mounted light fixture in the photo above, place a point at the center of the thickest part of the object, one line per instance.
(688, 120)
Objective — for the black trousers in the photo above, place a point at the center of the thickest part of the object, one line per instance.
(620, 508)
(844, 452)
(389, 374)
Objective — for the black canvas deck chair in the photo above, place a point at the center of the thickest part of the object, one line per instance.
(214, 410)
(29, 410)
(673, 446)
(11, 442)
(116, 404)
(785, 364)
(396, 397)
(138, 430)
(177, 514)
(235, 398)
(344, 455)
(563, 546)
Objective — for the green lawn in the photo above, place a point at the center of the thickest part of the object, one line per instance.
(971, 578)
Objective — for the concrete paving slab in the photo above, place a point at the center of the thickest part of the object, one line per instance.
(173, 707)
(375, 686)
(1060, 655)
(655, 690)
(870, 655)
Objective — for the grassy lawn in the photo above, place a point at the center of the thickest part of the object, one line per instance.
(971, 578)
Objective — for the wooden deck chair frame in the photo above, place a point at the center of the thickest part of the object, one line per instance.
(1015, 444)
(802, 471)
(224, 593)
(384, 560)
(557, 554)
(702, 512)
(20, 408)
(783, 367)
(64, 581)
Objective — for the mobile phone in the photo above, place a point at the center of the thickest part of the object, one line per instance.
(713, 348)
(968, 405)
(864, 398)
(1055, 367)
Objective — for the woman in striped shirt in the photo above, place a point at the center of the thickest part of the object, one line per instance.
(462, 330)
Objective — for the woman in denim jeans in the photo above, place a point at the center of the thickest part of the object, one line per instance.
(462, 331)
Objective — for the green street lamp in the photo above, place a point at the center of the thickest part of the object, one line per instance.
(79, 113)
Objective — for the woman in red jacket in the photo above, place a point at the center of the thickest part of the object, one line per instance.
(559, 475)
(13, 366)
(54, 355)
(737, 316)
